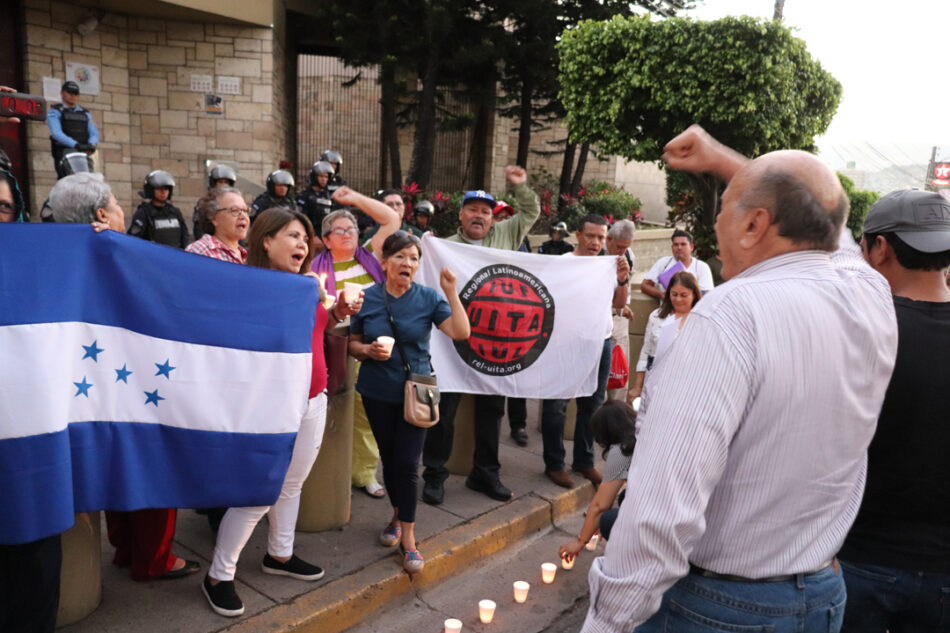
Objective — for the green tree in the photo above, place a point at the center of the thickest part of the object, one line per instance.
(632, 84)
(860, 202)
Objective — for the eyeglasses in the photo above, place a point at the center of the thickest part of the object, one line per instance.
(341, 232)
(6, 208)
(236, 211)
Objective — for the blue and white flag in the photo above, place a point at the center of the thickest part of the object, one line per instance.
(135, 376)
(538, 322)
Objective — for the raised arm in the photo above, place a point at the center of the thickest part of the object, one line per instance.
(389, 221)
(696, 151)
(456, 327)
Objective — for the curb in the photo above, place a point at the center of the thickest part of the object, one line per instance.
(345, 602)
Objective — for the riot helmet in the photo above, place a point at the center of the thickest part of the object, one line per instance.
(320, 167)
(76, 162)
(221, 172)
(334, 157)
(423, 207)
(279, 177)
(156, 179)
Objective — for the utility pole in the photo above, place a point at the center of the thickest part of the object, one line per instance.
(928, 186)
(779, 9)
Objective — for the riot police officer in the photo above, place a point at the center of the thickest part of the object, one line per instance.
(314, 201)
(280, 193)
(336, 161)
(422, 217)
(157, 219)
(70, 126)
(219, 175)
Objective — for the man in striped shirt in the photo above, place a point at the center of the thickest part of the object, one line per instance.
(751, 457)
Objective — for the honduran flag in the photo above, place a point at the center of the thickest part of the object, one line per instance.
(134, 375)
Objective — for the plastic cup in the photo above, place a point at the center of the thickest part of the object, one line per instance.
(387, 342)
(351, 291)
(486, 610)
(452, 626)
(547, 572)
(567, 564)
(521, 590)
(592, 543)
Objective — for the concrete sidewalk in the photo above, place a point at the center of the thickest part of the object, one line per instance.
(361, 575)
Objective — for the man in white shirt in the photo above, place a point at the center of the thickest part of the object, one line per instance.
(591, 235)
(754, 427)
(681, 259)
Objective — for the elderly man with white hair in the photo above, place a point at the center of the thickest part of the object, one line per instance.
(85, 198)
(142, 538)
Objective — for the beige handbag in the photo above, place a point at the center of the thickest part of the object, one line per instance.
(421, 393)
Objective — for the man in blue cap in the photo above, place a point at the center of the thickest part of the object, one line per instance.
(478, 229)
(70, 127)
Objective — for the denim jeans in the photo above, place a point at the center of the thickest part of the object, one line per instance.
(554, 415)
(886, 599)
(812, 603)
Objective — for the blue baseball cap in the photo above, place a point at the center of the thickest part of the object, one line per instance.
(478, 194)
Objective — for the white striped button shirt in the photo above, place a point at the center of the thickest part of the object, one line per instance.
(751, 458)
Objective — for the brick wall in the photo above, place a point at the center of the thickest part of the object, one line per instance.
(147, 116)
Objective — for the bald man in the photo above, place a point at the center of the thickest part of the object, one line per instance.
(753, 430)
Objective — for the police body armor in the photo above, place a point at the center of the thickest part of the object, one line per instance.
(162, 225)
(266, 201)
(315, 205)
(75, 125)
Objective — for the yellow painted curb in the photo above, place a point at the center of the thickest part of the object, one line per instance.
(345, 602)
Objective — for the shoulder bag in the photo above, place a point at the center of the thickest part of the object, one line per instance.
(421, 393)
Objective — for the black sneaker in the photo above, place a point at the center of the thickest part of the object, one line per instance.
(223, 598)
(295, 568)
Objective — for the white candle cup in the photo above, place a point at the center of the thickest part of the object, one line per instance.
(547, 572)
(351, 291)
(486, 610)
(567, 564)
(521, 590)
(387, 342)
(452, 626)
(592, 543)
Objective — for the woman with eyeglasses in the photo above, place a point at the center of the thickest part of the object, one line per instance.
(414, 309)
(344, 260)
(224, 218)
(279, 240)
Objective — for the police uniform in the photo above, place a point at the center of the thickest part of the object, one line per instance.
(315, 205)
(77, 124)
(162, 225)
(266, 201)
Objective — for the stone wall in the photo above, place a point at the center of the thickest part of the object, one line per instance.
(147, 115)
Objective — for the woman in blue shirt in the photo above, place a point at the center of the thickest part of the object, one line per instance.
(382, 376)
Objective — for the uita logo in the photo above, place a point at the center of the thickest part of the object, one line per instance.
(512, 316)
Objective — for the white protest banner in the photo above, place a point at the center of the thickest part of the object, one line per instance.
(538, 321)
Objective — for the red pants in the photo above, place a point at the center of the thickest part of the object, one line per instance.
(143, 539)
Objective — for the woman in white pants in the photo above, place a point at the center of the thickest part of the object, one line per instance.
(279, 240)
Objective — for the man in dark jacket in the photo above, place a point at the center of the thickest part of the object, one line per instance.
(157, 219)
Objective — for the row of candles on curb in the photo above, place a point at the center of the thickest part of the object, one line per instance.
(486, 608)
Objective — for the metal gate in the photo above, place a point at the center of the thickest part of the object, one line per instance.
(338, 108)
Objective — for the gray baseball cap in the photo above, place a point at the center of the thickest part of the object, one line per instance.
(919, 218)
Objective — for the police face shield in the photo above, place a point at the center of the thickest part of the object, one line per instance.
(76, 162)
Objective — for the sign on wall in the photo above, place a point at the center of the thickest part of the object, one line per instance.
(86, 75)
(229, 85)
(202, 83)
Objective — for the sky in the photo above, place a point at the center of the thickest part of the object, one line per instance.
(891, 60)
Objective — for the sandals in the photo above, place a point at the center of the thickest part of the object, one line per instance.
(412, 560)
(391, 535)
(374, 489)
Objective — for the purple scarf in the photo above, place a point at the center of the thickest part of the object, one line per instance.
(323, 263)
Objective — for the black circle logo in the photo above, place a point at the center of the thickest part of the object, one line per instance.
(512, 315)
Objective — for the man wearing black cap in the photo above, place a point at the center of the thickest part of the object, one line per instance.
(70, 126)
(896, 558)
